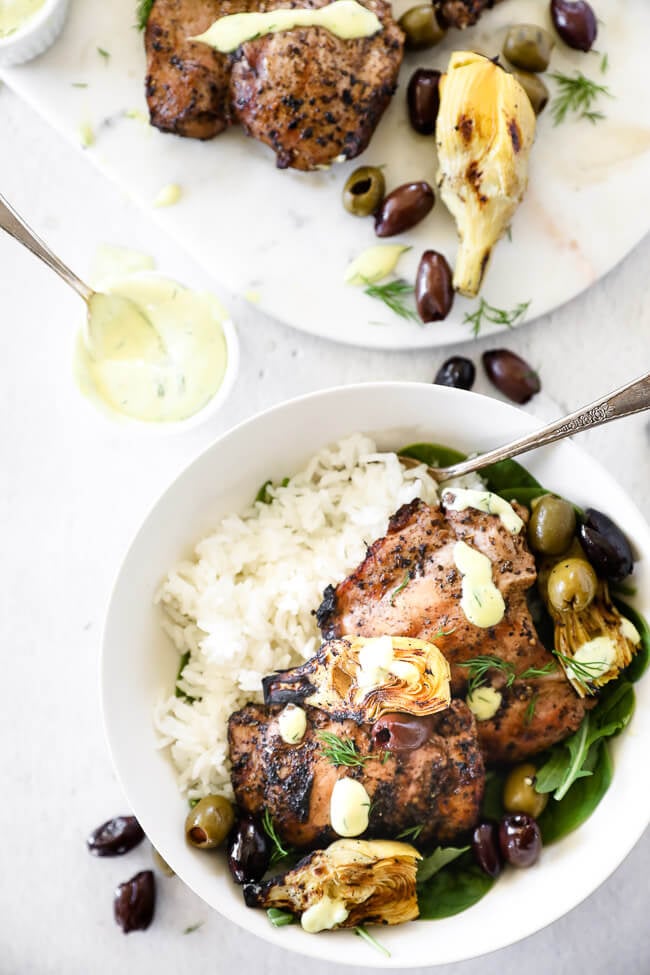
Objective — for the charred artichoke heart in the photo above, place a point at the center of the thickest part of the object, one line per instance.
(484, 133)
(365, 678)
(352, 882)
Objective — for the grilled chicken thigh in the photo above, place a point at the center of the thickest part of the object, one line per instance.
(438, 786)
(409, 585)
(309, 95)
(460, 13)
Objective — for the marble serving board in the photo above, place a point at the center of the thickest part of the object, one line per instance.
(283, 239)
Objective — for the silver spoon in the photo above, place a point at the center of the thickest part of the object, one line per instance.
(116, 327)
(629, 399)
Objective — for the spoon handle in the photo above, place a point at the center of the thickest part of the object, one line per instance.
(629, 399)
(16, 227)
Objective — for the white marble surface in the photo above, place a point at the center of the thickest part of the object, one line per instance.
(292, 240)
(72, 491)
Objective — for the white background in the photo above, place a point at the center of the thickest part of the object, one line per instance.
(74, 488)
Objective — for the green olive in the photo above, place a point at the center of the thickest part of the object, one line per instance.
(528, 47)
(535, 89)
(519, 794)
(552, 525)
(571, 585)
(421, 27)
(364, 190)
(208, 824)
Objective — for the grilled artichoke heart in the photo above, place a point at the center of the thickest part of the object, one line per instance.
(484, 134)
(609, 637)
(362, 679)
(358, 881)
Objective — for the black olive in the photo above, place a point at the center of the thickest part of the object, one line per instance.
(134, 902)
(458, 372)
(575, 22)
(248, 851)
(511, 375)
(434, 291)
(485, 848)
(520, 840)
(605, 546)
(115, 837)
(423, 99)
(396, 732)
(403, 208)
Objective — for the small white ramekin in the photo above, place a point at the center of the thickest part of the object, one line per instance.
(37, 34)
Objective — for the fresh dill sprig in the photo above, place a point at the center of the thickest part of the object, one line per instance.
(393, 294)
(193, 927)
(578, 95)
(279, 851)
(403, 584)
(604, 64)
(583, 672)
(530, 710)
(342, 751)
(498, 316)
(478, 668)
(142, 11)
(362, 933)
(410, 834)
(104, 54)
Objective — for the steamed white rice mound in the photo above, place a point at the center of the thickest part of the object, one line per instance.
(244, 606)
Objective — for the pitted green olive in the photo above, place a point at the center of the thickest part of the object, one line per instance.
(528, 47)
(519, 794)
(535, 89)
(208, 824)
(421, 27)
(364, 191)
(571, 585)
(552, 525)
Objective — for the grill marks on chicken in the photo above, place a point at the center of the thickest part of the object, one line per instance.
(439, 784)
(309, 95)
(418, 550)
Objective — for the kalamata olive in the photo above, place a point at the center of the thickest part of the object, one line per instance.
(458, 372)
(134, 902)
(395, 732)
(434, 292)
(535, 88)
(511, 375)
(575, 22)
(248, 851)
(115, 837)
(571, 585)
(363, 191)
(421, 27)
(605, 546)
(485, 847)
(423, 100)
(403, 208)
(519, 795)
(552, 525)
(520, 840)
(528, 47)
(209, 822)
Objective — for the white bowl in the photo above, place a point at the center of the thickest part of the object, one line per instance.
(139, 665)
(35, 36)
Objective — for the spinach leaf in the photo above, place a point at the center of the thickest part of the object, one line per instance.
(561, 818)
(507, 475)
(452, 890)
(433, 454)
(492, 805)
(639, 663)
(438, 859)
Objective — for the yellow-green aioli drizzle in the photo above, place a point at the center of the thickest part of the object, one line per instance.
(346, 19)
(14, 14)
(156, 386)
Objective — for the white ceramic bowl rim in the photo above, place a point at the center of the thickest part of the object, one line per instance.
(568, 872)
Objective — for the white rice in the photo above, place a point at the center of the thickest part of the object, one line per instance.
(244, 606)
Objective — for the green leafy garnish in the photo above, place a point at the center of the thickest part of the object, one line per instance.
(429, 866)
(639, 664)
(342, 751)
(403, 584)
(604, 64)
(577, 95)
(279, 852)
(478, 668)
(142, 11)
(574, 758)
(264, 495)
(182, 664)
(530, 710)
(461, 884)
(278, 918)
(583, 672)
(393, 294)
(193, 927)
(362, 933)
(498, 316)
(410, 834)
(104, 54)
